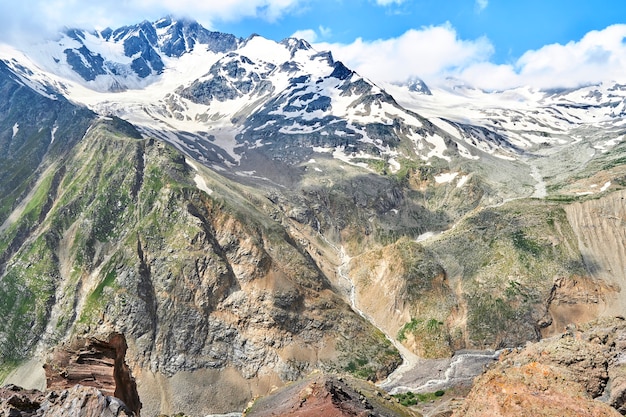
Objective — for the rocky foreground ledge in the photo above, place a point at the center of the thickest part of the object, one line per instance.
(329, 396)
(78, 401)
(580, 373)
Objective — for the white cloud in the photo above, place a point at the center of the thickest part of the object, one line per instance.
(435, 53)
(311, 36)
(428, 53)
(35, 16)
(599, 56)
(308, 35)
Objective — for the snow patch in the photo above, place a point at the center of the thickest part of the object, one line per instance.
(191, 164)
(462, 181)
(439, 147)
(319, 149)
(201, 184)
(426, 236)
(605, 186)
(445, 177)
(394, 166)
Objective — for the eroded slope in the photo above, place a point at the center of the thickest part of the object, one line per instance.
(205, 288)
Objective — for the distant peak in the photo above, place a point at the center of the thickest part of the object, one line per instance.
(164, 22)
(417, 85)
(295, 44)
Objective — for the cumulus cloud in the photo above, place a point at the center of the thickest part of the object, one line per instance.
(428, 53)
(34, 16)
(308, 35)
(437, 53)
(312, 36)
(599, 56)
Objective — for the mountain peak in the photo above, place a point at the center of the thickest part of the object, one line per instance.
(129, 56)
(294, 44)
(341, 71)
(417, 85)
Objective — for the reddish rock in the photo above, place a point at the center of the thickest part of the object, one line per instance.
(534, 390)
(580, 373)
(329, 396)
(94, 363)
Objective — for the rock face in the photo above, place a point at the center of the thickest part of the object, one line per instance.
(532, 389)
(204, 290)
(94, 363)
(580, 373)
(320, 395)
(601, 232)
(78, 401)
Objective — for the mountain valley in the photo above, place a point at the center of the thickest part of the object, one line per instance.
(205, 219)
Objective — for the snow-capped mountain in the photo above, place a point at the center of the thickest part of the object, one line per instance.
(309, 207)
(222, 99)
(525, 118)
(128, 57)
(214, 95)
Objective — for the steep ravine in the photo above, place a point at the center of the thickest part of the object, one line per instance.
(418, 374)
(409, 359)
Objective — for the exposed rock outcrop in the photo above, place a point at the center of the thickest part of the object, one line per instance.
(580, 373)
(329, 396)
(94, 363)
(533, 389)
(600, 229)
(78, 401)
(575, 300)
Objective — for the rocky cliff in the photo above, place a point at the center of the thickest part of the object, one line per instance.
(204, 286)
(579, 373)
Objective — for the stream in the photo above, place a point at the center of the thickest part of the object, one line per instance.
(417, 374)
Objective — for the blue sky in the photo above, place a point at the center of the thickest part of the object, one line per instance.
(512, 26)
(492, 44)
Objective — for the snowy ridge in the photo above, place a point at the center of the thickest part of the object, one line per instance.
(508, 122)
(221, 99)
(215, 96)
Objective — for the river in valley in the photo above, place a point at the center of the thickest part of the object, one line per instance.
(417, 374)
